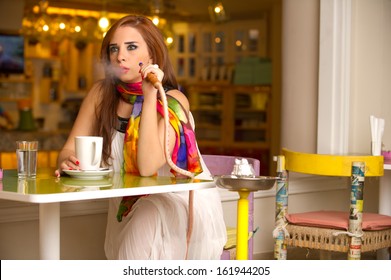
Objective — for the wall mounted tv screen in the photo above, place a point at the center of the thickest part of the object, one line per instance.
(11, 54)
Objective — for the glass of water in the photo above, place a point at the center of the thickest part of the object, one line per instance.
(26, 155)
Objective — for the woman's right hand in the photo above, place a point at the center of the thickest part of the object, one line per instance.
(70, 163)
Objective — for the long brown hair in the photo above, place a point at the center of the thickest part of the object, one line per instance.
(107, 109)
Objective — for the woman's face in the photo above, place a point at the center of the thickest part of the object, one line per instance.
(127, 49)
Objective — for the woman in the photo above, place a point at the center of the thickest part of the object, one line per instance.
(126, 110)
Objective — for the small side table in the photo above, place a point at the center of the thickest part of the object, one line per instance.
(244, 185)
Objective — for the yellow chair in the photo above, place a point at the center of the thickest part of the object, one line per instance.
(45, 159)
(352, 232)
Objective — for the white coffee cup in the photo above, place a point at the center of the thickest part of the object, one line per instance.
(89, 151)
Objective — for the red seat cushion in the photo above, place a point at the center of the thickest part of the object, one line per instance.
(339, 220)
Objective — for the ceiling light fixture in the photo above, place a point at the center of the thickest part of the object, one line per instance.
(217, 12)
(44, 23)
(103, 22)
(156, 20)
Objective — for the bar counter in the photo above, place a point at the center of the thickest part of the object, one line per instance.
(48, 140)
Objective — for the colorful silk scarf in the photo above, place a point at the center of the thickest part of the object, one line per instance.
(185, 153)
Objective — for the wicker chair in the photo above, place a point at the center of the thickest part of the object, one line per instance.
(352, 232)
(223, 165)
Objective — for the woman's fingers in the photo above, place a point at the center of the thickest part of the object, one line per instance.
(71, 163)
(152, 68)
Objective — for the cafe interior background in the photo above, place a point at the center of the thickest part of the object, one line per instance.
(260, 75)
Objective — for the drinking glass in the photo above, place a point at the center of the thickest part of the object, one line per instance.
(26, 155)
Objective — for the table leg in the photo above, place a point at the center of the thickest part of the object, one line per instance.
(49, 231)
(242, 227)
(385, 193)
(384, 207)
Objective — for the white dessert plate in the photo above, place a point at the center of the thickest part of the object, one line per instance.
(88, 174)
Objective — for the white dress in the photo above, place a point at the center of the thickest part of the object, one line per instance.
(156, 227)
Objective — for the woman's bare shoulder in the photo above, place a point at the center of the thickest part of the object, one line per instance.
(181, 97)
(96, 90)
(94, 95)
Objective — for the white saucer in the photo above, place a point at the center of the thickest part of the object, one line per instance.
(88, 174)
(83, 183)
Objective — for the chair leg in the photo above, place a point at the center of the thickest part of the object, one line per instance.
(356, 209)
(281, 208)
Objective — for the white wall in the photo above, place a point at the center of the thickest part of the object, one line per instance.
(371, 71)
(354, 71)
(300, 45)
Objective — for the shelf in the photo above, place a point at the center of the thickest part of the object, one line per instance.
(22, 79)
(206, 108)
(248, 136)
(209, 134)
(206, 143)
(251, 145)
(208, 126)
(232, 120)
(14, 90)
(250, 110)
(255, 127)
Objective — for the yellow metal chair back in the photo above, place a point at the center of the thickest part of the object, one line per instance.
(331, 165)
